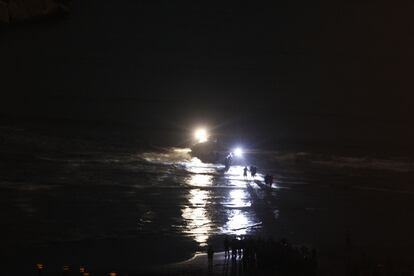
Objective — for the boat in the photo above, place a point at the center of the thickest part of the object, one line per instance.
(209, 152)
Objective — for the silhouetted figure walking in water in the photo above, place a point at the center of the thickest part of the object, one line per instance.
(253, 171)
(210, 253)
(239, 248)
(268, 180)
(245, 172)
(226, 244)
(227, 162)
(233, 245)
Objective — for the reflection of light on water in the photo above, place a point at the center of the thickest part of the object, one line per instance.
(236, 172)
(237, 224)
(198, 198)
(238, 198)
(198, 222)
(202, 174)
(200, 180)
(236, 178)
(196, 215)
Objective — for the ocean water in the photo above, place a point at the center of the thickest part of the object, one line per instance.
(58, 207)
(96, 196)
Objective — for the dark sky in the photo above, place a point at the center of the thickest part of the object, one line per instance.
(280, 62)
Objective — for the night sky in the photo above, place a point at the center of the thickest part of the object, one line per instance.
(290, 67)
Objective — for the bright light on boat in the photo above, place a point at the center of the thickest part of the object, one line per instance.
(238, 152)
(201, 135)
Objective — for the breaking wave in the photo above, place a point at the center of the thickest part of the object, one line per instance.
(182, 156)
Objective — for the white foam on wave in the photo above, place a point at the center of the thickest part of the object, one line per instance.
(168, 156)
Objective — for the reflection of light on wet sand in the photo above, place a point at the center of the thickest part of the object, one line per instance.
(200, 180)
(236, 173)
(236, 178)
(198, 198)
(198, 222)
(238, 198)
(198, 218)
(237, 224)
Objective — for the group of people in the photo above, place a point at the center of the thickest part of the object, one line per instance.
(227, 161)
(268, 179)
(281, 255)
(253, 171)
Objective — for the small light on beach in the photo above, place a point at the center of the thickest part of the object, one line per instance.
(112, 273)
(82, 269)
(40, 266)
(66, 268)
(201, 135)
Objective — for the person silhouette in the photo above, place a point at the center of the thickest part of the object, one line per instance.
(253, 171)
(226, 244)
(210, 253)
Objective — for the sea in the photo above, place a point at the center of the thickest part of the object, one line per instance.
(74, 201)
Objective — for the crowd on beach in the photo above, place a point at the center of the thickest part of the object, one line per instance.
(266, 254)
(268, 178)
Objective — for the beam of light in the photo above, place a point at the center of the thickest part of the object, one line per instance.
(238, 152)
(201, 135)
